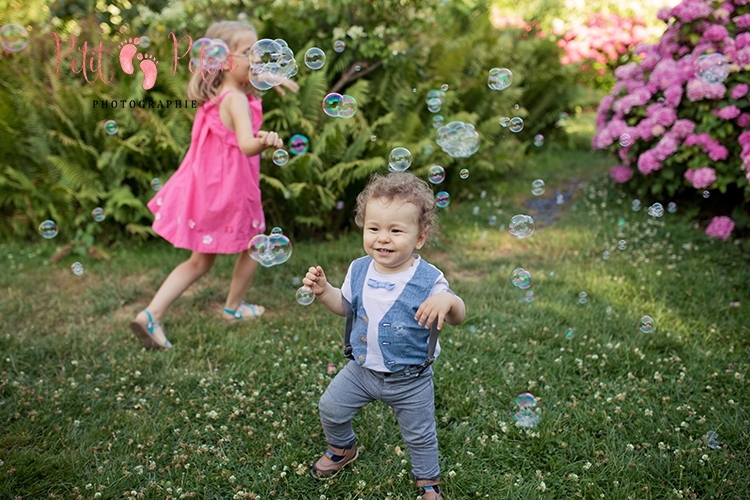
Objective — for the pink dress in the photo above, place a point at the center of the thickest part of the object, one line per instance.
(212, 203)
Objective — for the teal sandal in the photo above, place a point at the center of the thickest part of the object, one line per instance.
(146, 333)
(238, 316)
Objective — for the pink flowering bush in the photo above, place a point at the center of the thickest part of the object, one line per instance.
(681, 115)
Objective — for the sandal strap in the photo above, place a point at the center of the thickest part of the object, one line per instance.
(238, 312)
(153, 324)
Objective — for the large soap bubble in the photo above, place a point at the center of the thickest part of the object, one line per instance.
(270, 250)
(458, 139)
(272, 62)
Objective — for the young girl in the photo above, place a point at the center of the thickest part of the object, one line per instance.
(212, 204)
(391, 298)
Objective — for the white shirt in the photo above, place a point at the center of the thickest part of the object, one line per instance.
(377, 302)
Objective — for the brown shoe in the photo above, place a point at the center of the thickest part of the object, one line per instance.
(332, 461)
(430, 490)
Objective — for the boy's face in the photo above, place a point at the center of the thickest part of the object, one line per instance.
(391, 234)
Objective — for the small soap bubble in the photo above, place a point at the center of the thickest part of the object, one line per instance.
(569, 333)
(499, 78)
(608, 310)
(13, 37)
(145, 42)
(77, 268)
(315, 58)
(656, 210)
(299, 144)
(625, 140)
(520, 278)
(516, 124)
(332, 104)
(712, 440)
(492, 220)
(516, 107)
(339, 46)
(442, 199)
(399, 160)
(348, 106)
(438, 121)
(622, 245)
(562, 120)
(525, 410)
(305, 296)
(537, 187)
(156, 184)
(559, 199)
(529, 296)
(706, 194)
(646, 324)
(399, 328)
(373, 138)
(521, 226)
(464, 173)
(436, 174)
(434, 104)
(280, 157)
(48, 229)
(427, 150)
(605, 255)
(636, 205)
(444, 87)
(475, 210)
(621, 222)
(504, 121)
(340, 205)
(583, 297)
(671, 207)
(98, 214)
(110, 126)
(538, 140)
(483, 194)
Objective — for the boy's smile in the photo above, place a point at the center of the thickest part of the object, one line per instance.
(391, 234)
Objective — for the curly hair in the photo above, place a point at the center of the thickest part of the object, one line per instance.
(405, 187)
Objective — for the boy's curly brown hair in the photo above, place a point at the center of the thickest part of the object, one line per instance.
(405, 187)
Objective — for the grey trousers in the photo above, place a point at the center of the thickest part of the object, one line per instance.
(412, 399)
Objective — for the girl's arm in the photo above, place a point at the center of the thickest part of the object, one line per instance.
(239, 112)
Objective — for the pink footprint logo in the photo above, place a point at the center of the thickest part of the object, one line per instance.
(148, 65)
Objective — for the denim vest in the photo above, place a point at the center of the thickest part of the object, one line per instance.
(403, 343)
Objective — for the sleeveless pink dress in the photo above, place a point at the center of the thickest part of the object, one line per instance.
(212, 203)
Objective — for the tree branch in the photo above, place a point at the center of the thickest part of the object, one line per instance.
(352, 74)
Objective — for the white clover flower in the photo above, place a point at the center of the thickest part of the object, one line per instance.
(630, 447)
(587, 466)
(339, 33)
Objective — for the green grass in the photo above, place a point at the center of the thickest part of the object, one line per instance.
(230, 412)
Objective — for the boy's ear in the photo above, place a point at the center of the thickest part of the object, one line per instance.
(421, 240)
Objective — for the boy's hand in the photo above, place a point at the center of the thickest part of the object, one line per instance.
(270, 139)
(435, 308)
(316, 280)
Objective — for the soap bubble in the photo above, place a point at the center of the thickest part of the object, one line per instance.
(280, 157)
(399, 328)
(538, 140)
(399, 160)
(537, 187)
(48, 229)
(516, 124)
(656, 210)
(712, 68)
(110, 126)
(672, 207)
(13, 37)
(621, 222)
(339, 46)
(436, 174)
(529, 296)
(209, 54)
(305, 296)
(77, 268)
(605, 255)
(444, 87)
(622, 245)
(520, 278)
(559, 199)
(438, 121)
(526, 411)
(625, 140)
(569, 333)
(97, 214)
(499, 78)
(145, 42)
(332, 104)
(636, 205)
(458, 139)
(315, 58)
(504, 121)
(492, 220)
(272, 63)
(521, 226)
(706, 194)
(340, 205)
(299, 144)
(373, 138)
(348, 106)
(712, 440)
(562, 120)
(583, 297)
(156, 184)
(515, 106)
(270, 250)
(464, 173)
(646, 324)
(442, 199)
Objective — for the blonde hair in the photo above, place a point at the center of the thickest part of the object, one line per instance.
(405, 187)
(229, 31)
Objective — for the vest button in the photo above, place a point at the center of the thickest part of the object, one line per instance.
(361, 358)
(363, 339)
(364, 319)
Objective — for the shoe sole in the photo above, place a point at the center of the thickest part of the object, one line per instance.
(315, 475)
(142, 333)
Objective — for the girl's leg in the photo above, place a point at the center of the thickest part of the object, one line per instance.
(243, 273)
(176, 283)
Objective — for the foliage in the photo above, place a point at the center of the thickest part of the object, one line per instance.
(396, 53)
(681, 127)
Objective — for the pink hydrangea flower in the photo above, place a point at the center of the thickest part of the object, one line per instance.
(648, 162)
(621, 173)
(720, 227)
(701, 178)
(727, 112)
(742, 21)
(739, 91)
(744, 120)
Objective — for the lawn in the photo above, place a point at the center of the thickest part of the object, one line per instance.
(230, 412)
